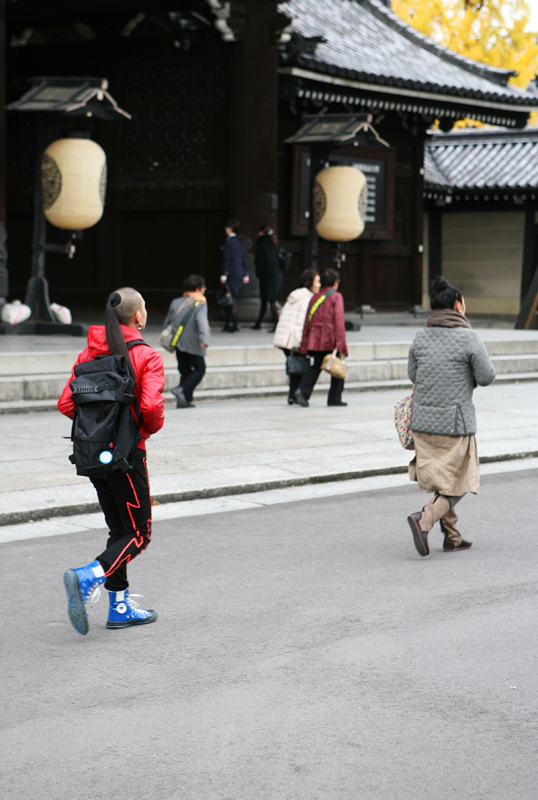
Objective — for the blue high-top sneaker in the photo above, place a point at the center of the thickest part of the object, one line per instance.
(79, 585)
(124, 612)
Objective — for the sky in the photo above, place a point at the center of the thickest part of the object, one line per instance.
(533, 5)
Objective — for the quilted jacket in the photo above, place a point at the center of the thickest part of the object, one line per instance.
(327, 330)
(289, 331)
(446, 364)
(149, 369)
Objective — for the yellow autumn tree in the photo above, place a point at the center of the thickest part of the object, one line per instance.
(492, 31)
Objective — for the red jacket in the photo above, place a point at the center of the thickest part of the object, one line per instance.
(327, 329)
(149, 369)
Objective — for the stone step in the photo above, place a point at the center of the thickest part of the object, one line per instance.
(204, 395)
(50, 386)
(15, 363)
(237, 369)
(239, 378)
(54, 362)
(281, 390)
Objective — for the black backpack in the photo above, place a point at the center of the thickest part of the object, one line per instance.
(104, 431)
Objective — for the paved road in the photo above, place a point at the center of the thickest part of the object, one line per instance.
(303, 650)
(247, 443)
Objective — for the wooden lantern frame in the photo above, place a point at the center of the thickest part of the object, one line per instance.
(301, 181)
(50, 99)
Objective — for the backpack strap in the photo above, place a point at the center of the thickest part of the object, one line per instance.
(136, 404)
(318, 303)
(183, 323)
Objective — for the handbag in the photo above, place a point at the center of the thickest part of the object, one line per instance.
(334, 365)
(297, 363)
(284, 258)
(402, 420)
(171, 335)
(224, 300)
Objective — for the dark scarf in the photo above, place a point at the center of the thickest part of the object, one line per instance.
(447, 318)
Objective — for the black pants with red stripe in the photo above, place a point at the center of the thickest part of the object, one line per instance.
(126, 503)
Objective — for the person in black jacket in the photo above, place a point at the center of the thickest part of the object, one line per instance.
(269, 274)
(234, 271)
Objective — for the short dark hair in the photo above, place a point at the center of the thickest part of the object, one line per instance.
(306, 278)
(193, 283)
(233, 224)
(329, 277)
(444, 295)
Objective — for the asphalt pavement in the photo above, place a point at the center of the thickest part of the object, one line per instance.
(236, 446)
(303, 650)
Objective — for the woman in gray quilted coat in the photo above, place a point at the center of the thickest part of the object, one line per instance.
(447, 361)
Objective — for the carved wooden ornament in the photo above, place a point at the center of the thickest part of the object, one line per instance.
(73, 181)
(340, 195)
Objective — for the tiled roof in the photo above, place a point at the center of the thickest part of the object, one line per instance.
(482, 160)
(365, 41)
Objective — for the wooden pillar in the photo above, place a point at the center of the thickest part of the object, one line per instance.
(319, 155)
(2, 111)
(529, 251)
(418, 222)
(3, 249)
(365, 279)
(253, 119)
(529, 273)
(435, 244)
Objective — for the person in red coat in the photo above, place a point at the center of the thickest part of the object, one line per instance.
(123, 496)
(324, 331)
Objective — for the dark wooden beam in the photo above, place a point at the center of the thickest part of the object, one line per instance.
(529, 273)
(417, 231)
(435, 244)
(2, 112)
(528, 306)
(253, 118)
(529, 251)
(4, 283)
(319, 155)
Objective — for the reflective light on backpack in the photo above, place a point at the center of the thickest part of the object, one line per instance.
(105, 457)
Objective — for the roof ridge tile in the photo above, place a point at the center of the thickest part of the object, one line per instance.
(497, 75)
(363, 40)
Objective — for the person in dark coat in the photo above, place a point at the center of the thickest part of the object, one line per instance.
(234, 271)
(324, 332)
(269, 274)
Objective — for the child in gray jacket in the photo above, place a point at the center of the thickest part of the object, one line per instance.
(194, 339)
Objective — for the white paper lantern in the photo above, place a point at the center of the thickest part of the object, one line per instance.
(340, 195)
(73, 180)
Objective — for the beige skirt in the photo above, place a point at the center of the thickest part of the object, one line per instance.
(445, 464)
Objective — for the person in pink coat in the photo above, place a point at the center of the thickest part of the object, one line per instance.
(324, 332)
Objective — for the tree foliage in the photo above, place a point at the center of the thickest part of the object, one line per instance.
(492, 31)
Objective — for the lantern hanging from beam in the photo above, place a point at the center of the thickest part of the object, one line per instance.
(73, 180)
(340, 195)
